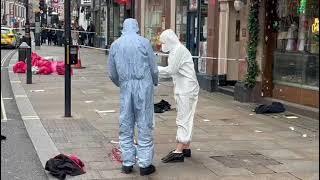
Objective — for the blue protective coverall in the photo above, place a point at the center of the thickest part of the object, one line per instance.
(132, 67)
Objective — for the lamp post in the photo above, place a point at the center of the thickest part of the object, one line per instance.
(67, 43)
(27, 25)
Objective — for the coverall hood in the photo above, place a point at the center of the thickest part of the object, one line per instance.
(169, 40)
(130, 26)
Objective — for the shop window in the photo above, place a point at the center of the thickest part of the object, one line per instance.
(202, 63)
(181, 20)
(296, 61)
(154, 21)
(296, 22)
(115, 22)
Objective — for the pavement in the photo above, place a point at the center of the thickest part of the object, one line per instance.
(230, 142)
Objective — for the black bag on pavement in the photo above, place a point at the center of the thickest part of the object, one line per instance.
(275, 107)
(61, 165)
(162, 106)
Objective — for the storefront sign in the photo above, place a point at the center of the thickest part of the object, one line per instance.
(315, 26)
(193, 5)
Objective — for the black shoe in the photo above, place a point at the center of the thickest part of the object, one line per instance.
(173, 157)
(148, 170)
(186, 152)
(127, 169)
(166, 157)
(3, 137)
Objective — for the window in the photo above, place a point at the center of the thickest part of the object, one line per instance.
(296, 63)
(295, 32)
(181, 20)
(115, 22)
(154, 21)
(11, 9)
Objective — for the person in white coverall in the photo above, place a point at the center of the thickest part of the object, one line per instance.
(186, 89)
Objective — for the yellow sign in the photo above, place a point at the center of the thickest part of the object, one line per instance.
(315, 26)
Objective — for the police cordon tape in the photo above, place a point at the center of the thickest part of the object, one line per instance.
(56, 30)
(156, 53)
(166, 55)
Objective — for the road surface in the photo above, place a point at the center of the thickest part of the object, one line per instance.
(19, 159)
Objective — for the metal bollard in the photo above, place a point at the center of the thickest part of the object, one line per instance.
(22, 52)
(27, 51)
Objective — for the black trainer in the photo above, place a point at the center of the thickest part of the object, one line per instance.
(186, 152)
(148, 170)
(127, 169)
(167, 155)
(173, 157)
(3, 137)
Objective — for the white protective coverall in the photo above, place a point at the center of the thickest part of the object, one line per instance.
(186, 87)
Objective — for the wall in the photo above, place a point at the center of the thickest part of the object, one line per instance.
(233, 45)
(213, 37)
(296, 95)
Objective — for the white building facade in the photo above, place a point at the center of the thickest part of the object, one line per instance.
(13, 13)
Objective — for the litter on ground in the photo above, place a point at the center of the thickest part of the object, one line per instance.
(292, 128)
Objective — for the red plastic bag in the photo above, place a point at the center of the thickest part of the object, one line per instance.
(54, 66)
(60, 68)
(20, 67)
(35, 59)
(45, 70)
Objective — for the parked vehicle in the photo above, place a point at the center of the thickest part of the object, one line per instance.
(10, 37)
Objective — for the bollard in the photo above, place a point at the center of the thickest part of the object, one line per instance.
(27, 51)
(22, 52)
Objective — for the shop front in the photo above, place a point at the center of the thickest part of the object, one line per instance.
(292, 51)
(155, 18)
(117, 12)
(181, 20)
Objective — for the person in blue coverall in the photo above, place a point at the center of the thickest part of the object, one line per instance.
(132, 67)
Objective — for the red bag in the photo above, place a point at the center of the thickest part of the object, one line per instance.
(20, 67)
(54, 66)
(45, 70)
(60, 68)
(35, 59)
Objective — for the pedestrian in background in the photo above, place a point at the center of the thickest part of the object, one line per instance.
(91, 33)
(54, 35)
(60, 35)
(49, 35)
(75, 35)
(82, 35)
(43, 35)
(132, 67)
